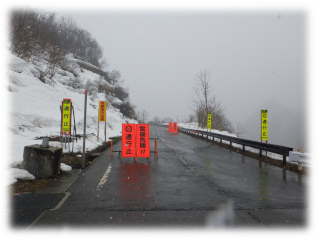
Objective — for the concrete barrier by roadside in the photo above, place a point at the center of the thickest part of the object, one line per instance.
(42, 162)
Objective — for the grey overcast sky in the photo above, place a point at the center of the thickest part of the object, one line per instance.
(255, 52)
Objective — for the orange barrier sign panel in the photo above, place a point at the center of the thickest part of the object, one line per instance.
(102, 111)
(142, 141)
(173, 128)
(128, 143)
(66, 117)
(170, 127)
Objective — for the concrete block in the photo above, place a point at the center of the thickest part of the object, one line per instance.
(42, 162)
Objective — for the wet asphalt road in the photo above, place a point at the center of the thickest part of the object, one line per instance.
(193, 184)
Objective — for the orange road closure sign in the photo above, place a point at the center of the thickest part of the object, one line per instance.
(128, 143)
(66, 117)
(170, 127)
(173, 128)
(102, 111)
(142, 141)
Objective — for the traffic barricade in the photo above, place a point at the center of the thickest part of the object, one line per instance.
(135, 142)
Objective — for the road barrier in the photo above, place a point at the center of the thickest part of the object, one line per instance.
(156, 148)
(119, 151)
(282, 150)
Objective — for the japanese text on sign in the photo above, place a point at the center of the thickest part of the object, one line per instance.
(66, 116)
(128, 140)
(173, 128)
(102, 111)
(142, 140)
(264, 124)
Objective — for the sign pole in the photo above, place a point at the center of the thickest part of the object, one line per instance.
(61, 135)
(83, 157)
(105, 118)
(98, 127)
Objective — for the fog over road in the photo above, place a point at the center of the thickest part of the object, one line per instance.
(193, 183)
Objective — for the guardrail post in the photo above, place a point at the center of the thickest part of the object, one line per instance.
(260, 153)
(230, 144)
(243, 148)
(284, 159)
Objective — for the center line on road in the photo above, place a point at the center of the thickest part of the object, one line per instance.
(104, 178)
(192, 169)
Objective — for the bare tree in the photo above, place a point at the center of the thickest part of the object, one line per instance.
(115, 76)
(204, 101)
(202, 91)
(167, 120)
(103, 64)
(56, 56)
(240, 129)
(142, 116)
(121, 93)
(127, 109)
(156, 120)
(191, 118)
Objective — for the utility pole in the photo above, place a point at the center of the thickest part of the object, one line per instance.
(83, 157)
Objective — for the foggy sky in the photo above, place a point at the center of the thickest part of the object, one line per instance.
(252, 56)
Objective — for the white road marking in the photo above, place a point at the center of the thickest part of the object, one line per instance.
(104, 178)
(59, 205)
(162, 139)
(192, 169)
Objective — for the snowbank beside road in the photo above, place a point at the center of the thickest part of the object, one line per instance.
(13, 174)
(34, 109)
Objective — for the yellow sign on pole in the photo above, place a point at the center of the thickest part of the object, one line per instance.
(264, 124)
(209, 120)
(66, 117)
(102, 111)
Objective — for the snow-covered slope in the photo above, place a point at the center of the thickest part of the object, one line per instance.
(34, 106)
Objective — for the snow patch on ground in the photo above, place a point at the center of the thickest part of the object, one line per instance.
(34, 109)
(17, 173)
(65, 167)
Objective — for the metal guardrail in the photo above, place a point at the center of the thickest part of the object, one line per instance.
(278, 149)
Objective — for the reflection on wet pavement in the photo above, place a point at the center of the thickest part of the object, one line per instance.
(134, 182)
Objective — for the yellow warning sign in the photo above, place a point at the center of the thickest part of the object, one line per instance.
(102, 111)
(66, 117)
(264, 125)
(209, 120)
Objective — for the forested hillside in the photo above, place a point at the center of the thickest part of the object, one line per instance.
(37, 36)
